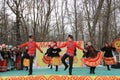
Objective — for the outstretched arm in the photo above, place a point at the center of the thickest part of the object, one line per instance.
(80, 48)
(63, 45)
(39, 48)
(22, 45)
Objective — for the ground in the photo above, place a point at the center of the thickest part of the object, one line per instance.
(79, 71)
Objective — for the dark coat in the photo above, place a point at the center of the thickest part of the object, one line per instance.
(108, 51)
(91, 52)
(55, 52)
(48, 52)
(25, 54)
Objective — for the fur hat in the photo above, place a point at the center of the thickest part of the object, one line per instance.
(70, 36)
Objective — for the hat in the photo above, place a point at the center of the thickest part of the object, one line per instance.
(70, 36)
(30, 36)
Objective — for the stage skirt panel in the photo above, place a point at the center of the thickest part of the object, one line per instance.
(18, 63)
(3, 65)
(56, 61)
(109, 60)
(46, 59)
(92, 62)
(26, 62)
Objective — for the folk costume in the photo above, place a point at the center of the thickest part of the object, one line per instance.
(75, 59)
(70, 45)
(4, 63)
(31, 45)
(91, 58)
(48, 57)
(108, 56)
(56, 60)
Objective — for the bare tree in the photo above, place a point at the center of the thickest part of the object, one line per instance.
(14, 5)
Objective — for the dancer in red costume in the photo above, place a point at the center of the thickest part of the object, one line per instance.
(70, 45)
(31, 51)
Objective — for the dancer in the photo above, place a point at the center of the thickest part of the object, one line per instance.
(71, 45)
(31, 51)
(91, 58)
(48, 56)
(55, 55)
(108, 56)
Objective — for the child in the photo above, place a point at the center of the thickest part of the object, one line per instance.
(48, 56)
(55, 55)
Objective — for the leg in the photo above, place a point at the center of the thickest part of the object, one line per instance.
(94, 70)
(56, 68)
(31, 65)
(108, 67)
(91, 70)
(63, 61)
(50, 66)
(26, 68)
(22, 62)
(22, 59)
(70, 64)
(27, 57)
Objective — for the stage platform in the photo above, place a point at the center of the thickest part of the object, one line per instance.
(78, 72)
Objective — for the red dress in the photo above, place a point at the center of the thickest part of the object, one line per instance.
(46, 59)
(108, 56)
(92, 57)
(3, 65)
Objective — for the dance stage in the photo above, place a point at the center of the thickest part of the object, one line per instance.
(81, 73)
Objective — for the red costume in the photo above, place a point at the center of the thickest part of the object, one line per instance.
(31, 49)
(71, 45)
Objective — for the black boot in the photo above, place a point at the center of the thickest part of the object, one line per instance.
(70, 72)
(108, 68)
(91, 71)
(56, 68)
(94, 70)
(48, 65)
(51, 67)
(26, 68)
(65, 68)
(30, 73)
